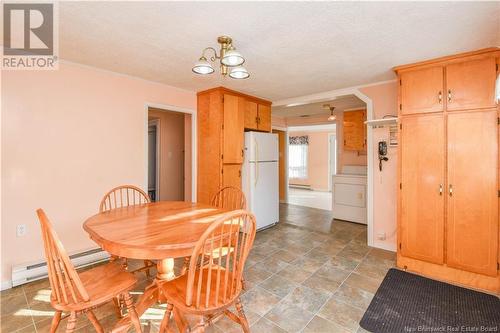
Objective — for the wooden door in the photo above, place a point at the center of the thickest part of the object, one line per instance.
(281, 163)
(264, 112)
(422, 91)
(422, 188)
(210, 118)
(233, 131)
(251, 115)
(472, 223)
(231, 175)
(354, 130)
(471, 84)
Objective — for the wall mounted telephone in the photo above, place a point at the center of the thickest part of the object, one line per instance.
(382, 152)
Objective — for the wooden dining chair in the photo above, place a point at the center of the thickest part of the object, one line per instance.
(229, 197)
(80, 293)
(210, 287)
(124, 196)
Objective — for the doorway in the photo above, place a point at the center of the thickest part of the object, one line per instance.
(169, 155)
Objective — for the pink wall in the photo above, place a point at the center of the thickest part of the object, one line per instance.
(67, 137)
(385, 100)
(318, 163)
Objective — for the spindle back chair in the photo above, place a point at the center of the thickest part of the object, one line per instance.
(210, 287)
(123, 196)
(229, 197)
(75, 293)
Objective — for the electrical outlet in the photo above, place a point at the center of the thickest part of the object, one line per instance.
(21, 230)
(381, 236)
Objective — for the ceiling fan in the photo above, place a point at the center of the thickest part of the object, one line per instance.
(332, 117)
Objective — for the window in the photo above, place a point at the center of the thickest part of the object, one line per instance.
(297, 157)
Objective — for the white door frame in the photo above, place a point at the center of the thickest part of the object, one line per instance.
(330, 181)
(328, 96)
(194, 142)
(156, 123)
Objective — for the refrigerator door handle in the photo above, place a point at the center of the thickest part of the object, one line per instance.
(256, 163)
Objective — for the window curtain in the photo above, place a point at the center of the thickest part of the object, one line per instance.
(297, 157)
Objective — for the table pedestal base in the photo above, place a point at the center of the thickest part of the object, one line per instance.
(152, 295)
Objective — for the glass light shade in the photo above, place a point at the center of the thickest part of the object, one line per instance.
(332, 118)
(239, 72)
(232, 58)
(202, 66)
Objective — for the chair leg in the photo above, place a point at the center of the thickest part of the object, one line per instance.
(147, 263)
(242, 317)
(70, 327)
(118, 307)
(55, 322)
(132, 313)
(95, 322)
(166, 318)
(185, 266)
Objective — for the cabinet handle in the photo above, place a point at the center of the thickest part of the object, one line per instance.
(440, 97)
(450, 190)
(440, 189)
(449, 95)
(239, 173)
(242, 153)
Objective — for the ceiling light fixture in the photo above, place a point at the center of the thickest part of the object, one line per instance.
(332, 117)
(231, 61)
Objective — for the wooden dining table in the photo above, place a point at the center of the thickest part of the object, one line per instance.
(159, 231)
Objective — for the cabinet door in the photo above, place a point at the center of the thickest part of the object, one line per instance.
(422, 90)
(251, 115)
(231, 175)
(472, 223)
(354, 130)
(422, 186)
(233, 132)
(471, 84)
(264, 117)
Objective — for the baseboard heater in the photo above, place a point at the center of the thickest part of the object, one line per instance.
(26, 273)
(304, 187)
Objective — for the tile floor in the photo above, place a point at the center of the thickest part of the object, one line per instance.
(308, 198)
(307, 274)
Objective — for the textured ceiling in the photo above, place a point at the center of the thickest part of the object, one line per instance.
(340, 103)
(292, 48)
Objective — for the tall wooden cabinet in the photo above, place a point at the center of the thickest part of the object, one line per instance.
(222, 118)
(448, 209)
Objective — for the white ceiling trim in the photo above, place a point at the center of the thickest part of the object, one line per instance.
(327, 95)
(313, 128)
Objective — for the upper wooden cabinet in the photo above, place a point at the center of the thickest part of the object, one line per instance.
(462, 82)
(471, 84)
(251, 115)
(422, 90)
(354, 130)
(257, 116)
(222, 117)
(233, 142)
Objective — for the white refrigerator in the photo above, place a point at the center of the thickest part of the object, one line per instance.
(260, 179)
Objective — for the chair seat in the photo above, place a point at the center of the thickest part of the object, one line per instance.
(175, 292)
(102, 283)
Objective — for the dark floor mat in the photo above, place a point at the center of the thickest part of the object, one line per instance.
(407, 302)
